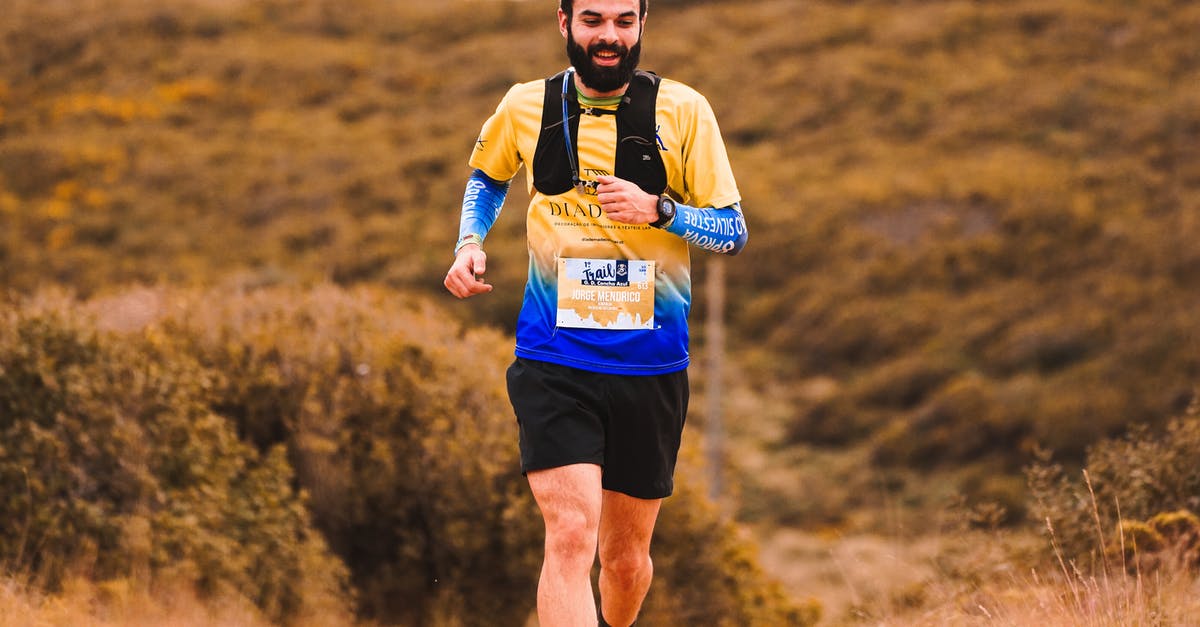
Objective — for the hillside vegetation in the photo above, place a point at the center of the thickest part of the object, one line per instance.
(977, 219)
(308, 452)
(973, 248)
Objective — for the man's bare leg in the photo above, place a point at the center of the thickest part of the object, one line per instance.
(626, 525)
(570, 500)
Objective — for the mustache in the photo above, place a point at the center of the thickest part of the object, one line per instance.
(608, 47)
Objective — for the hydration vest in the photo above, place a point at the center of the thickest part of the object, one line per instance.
(637, 159)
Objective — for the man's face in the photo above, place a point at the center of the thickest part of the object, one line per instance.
(603, 42)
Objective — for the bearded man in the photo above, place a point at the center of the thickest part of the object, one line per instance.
(625, 171)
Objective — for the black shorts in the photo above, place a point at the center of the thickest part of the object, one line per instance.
(629, 425)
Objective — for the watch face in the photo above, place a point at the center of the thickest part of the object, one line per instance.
(666, 211)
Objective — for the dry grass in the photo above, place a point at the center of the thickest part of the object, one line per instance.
(1110, 600)
(852, 577)
(859, 581)
(969, 579)
(112, 604)
(959, 575)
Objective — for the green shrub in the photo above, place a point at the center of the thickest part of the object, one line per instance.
(397, 423)
(1148, 479)
(1168, 539)
(113, 464)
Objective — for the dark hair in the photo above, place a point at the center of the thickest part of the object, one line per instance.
(568, 7)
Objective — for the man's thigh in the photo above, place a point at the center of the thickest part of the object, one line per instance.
(626, 525)
(568, 495)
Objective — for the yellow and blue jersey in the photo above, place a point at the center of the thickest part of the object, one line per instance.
(579, 309)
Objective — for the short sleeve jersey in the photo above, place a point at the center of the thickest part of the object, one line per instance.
(573, 226)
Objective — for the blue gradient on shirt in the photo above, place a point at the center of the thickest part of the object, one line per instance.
(639, 352)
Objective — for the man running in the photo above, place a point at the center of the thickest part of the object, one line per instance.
(625, 170)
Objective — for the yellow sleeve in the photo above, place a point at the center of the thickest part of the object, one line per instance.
(496, 151)
(707, 174)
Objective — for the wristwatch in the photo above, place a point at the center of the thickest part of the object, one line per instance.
(666, 212)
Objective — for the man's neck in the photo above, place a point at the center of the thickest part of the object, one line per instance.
(608, 101)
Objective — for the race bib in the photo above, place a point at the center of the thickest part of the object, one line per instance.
(612, 294)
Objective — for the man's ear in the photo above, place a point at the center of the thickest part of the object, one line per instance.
(562, 23)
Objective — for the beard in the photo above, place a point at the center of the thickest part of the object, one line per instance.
(603, 78)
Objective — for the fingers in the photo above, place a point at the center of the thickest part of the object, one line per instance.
(623, 201)
(607, 185)
(464, 284)
(464, 278)
(611, 189)
(612, 193)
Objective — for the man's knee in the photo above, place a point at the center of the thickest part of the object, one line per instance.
(571, 536)
(627, 567)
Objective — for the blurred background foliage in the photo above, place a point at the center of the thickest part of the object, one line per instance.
(974, 238)
(113, 466)
(316, 450)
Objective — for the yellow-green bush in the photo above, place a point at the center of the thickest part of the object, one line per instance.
(1145, 484)
(397, 423)
(113, 464)
(1167, 539)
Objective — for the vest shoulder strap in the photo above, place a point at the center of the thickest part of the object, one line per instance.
(638, 156)
(551, 169)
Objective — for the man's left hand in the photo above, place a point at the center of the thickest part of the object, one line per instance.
(624, 201)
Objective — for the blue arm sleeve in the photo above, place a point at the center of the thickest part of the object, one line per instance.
(481, 205)
(718, 230)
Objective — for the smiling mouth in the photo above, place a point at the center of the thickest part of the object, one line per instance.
(607, 57)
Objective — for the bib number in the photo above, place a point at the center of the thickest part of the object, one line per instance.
(610, 294)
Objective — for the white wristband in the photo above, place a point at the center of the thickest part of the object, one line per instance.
(470, 238)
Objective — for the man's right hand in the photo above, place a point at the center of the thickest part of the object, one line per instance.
(464, 279)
